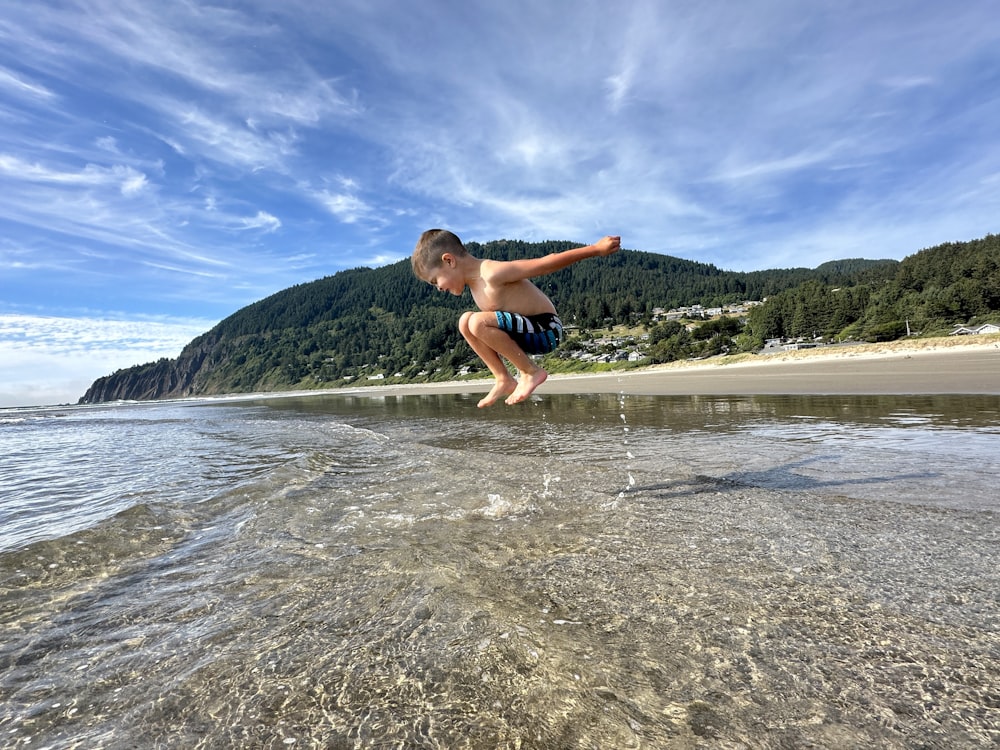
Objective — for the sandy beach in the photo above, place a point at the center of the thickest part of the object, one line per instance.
(959, 365)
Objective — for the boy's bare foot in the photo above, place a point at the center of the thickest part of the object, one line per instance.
(526, 386)
(500, 389)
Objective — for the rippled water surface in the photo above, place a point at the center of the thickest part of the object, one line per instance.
(579, 572)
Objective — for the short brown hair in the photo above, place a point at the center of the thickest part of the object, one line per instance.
(431, 246)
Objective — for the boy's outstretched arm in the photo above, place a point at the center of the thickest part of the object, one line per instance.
(506, 272)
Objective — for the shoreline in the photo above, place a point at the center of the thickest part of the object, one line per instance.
(967, 365)
(919, 367)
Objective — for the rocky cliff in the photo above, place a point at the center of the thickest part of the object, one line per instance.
(165, 378)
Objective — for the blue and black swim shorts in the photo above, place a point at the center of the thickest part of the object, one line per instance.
(536, 334)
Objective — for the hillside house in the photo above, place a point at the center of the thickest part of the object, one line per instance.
(972, 331)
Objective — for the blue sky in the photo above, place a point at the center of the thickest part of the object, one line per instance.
(164, 164)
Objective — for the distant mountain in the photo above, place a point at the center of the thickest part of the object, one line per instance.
(367, 322)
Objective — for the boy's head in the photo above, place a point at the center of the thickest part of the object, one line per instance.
(431, 246)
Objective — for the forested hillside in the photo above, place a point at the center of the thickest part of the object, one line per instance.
(383, 322)
(932, 290)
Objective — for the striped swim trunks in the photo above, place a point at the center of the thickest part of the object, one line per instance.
(536, 334)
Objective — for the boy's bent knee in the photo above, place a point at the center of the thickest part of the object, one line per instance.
(480, 321)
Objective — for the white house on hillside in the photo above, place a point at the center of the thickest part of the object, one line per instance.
(967, 331)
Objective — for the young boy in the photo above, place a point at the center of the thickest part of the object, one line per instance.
(516, 319)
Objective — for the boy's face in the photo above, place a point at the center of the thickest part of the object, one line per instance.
(446, 277)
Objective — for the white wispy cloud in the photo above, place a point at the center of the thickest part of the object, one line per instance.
(17, 85)
(262, 220)
(348, 208)
(121, 177)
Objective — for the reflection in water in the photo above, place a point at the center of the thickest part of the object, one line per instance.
(679, 413)
(923, 449)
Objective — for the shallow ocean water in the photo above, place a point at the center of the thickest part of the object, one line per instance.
(581, 571)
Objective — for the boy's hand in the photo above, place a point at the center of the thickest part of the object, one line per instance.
(608, 245)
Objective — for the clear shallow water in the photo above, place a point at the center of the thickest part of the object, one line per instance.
(585, 571)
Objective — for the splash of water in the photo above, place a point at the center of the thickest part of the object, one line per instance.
(630, 479)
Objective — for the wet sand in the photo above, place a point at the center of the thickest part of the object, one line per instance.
(935, 366)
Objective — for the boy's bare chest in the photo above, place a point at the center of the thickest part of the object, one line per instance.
(488, 297)
(522, 296)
